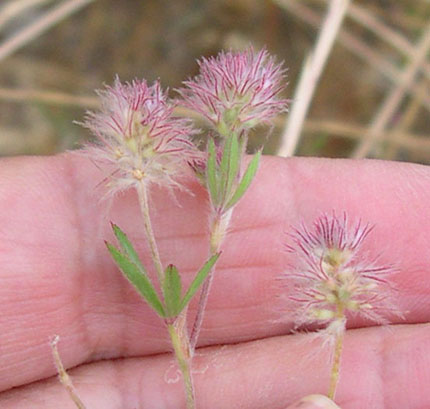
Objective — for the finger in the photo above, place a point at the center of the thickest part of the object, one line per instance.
(57, 277)
(381, 368)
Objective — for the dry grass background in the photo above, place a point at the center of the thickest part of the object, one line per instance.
(370, 78)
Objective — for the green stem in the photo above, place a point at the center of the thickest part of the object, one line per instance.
(183, 353)
(144, 207)
(218, 230)
(335, 369)
(220, 221)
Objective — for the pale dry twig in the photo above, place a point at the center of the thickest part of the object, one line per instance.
(14, 8)
(311, 73)
(48, 97)
(42, 24)
(385, 33)
(63, 375)
(355, 45)
(406, 121)
(395, 97)
(409, 141)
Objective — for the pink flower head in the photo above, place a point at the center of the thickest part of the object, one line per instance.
(334, 277)
(236, 90)
(139, 136)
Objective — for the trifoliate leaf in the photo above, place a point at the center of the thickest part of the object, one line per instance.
(198, 280)
(172, 291)
(245, 181)
(139, 280)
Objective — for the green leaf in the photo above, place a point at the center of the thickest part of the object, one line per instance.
(233, 165)
(211, 172)
(127, 247)
(140, 281)
(246, 180)
(225, 160)
(172, 291)
(229, 166)
(198, 280)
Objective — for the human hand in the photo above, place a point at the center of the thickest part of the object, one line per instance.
(58, 278)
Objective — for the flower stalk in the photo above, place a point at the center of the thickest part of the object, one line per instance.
(143, 141)
(335, 279)
(218, 231)
(234, 92)
(335, 369)
(178, 329)
(149, 231)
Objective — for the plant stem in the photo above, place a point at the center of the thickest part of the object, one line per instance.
(144, 207)
(63, 376)
(183, 353)
(178, 329)
(338, 346)
(219, 225)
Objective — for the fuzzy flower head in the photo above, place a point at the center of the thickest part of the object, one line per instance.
(334, 277)
(138, 134)
(236, 91)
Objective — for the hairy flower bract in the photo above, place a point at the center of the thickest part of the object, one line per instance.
(236, 90)
(138, 134)
(334, 277)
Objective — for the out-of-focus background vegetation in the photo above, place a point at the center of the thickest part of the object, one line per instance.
(375, 85)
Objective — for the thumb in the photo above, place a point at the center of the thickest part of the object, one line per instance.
(314, 402)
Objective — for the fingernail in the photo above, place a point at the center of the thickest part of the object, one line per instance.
(314, 402)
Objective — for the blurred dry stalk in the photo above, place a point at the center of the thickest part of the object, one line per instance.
(310, 75)
(404, 82)
(10, 142)
(398, 137)
(358, 47)
(392, 102)
(50, 82)
(39, 26)
(407, 120)
(14, 8)
(48, 97)
(384, 32)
